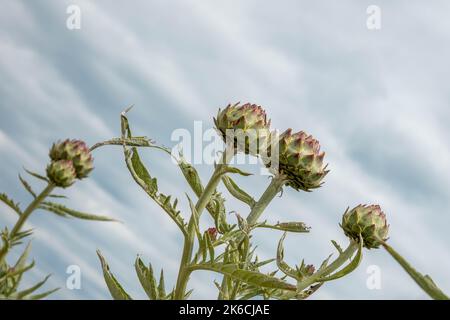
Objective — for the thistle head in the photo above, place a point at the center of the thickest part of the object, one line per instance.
(61, 173)
(367, 220)
(301, 160)
(77, 152)
(245, 125)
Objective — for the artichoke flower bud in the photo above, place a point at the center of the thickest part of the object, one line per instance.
(369, 221)
(212, 233)
(61, 173)
(245, 125)
(301, 160)
(77, 152)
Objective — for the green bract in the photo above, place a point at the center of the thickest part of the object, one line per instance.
(246, 125)
(301, 161)
(367, 220)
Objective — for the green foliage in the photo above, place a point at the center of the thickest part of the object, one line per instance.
(228, 249)
(114, 287)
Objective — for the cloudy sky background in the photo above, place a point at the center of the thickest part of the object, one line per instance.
(377, 100)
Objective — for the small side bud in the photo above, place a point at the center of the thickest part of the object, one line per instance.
(61, 173)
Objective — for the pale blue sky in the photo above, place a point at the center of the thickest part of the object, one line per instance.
(377, 100)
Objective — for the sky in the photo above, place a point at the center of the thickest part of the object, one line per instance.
(377, 100)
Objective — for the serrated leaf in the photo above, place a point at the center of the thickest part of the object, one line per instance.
(114, 287)
(258, 279)
(43, 295)
(229, 169)
(64, 211)
(142, 177)
(146, 278)
(237, 192)
(354, 263)
(20, 267)
(188, 294)
(27, 186)
(36, 175)
(10, 203)
(22, 294)
(298, 227)
(337, 246)
(161, 286)
(191, 175)
(59, 196)
(283, 266)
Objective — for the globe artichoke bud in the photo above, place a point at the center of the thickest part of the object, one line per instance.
(300, 160)
(77, 152)
(61, 173)
(246, 124)
(369, 221)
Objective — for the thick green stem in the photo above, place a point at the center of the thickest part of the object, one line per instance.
(343, 257)
(184, 272)
(272, 190)
(23, 218)
(424, 282)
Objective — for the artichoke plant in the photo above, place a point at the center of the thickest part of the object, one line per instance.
(227, 248)
(69, 160)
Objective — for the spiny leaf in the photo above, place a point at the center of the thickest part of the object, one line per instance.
(10, 203)
(114, 287)
(22, 294)
(215, 206)
(20, 267)
(298, 227)
(232, 270)
(337, 246)
(57, 196)
(36, 175)
(64, 211)
(161, 286)
(237, 192)
(146, 278)
(354, 263)
(43, 295)
(229, 169)
(149, 184)
(188, 294)
(27, 186)
(283, 266)
(191, 175)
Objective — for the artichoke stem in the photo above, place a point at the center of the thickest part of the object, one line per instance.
(24, 216)
(272, 190)
(184, 272)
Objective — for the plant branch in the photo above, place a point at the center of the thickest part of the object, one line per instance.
(343, 257)
(24, 216)
(184, 271)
